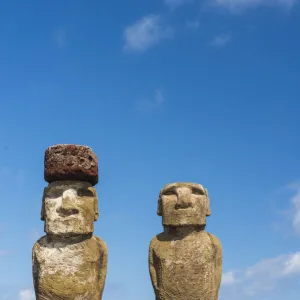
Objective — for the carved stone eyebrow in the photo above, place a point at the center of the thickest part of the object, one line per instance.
(169, 190)
(198, 190)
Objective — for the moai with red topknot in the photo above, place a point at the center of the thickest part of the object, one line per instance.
(69, 262)
(185, 261)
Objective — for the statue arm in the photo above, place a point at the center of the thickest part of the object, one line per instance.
(103, 267)
(35, 269)
(152, 269)
(218, 270)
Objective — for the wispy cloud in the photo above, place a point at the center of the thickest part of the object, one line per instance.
(267, 276)
(235, 5)
(264, 276)
(228, 278)
(60, 38)
(295, 203)
(148, 105)
(220, 40)
(27, 294)
(239, 5)
(146, 33)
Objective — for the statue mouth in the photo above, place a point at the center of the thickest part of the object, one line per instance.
(183, 207)
(67, 212)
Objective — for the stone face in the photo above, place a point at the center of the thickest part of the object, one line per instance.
(69, 208)
(71, 162)
(69, 263)
(183, 204)
(185, 261)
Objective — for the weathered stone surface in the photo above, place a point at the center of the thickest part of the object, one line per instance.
(185, 261)
(69, 208)
(69, 263)
(71, 162)
(69, 269)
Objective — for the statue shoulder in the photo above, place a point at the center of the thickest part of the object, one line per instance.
(39, 243)
(156, 240)
(100, 244)
(215, 241)
(153, 242)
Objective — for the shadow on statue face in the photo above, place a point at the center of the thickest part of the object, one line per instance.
(182, 204)
(69, 208)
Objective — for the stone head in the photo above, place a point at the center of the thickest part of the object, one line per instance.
(182, 204)
(70, 203)
(69, 208)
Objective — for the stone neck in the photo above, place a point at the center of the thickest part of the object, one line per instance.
(183, 230)
(73, 239)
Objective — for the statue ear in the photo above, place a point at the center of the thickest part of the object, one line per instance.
(43, 205)
(159, 206)
(208, 211)
(96, 210)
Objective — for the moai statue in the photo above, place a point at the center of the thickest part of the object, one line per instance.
(69, 262)
(185, 261)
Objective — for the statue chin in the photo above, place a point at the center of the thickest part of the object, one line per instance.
(68, 230)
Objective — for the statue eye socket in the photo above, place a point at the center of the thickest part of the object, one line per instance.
(168, 193)
(84, 193)
(53, 194)
(198, 192)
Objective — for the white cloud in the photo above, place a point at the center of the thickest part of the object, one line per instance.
(60, 38)
(292, 265)
(145, 33)
(296, 209)
(220, 40)
(238, 5)
(264, 276)
(148, 105)
(289, 216)
(228, 278)
(27, 294)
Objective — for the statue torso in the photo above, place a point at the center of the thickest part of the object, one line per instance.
(68, 271)
(186, 268)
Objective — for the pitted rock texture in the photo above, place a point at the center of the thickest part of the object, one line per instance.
(185, 261)
(69, 208)
(186, 267)
(69, 269)
(71, 162)
(69, 263)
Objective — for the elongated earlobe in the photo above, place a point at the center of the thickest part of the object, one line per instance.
(96, 215)
(208, 211)
(159, 206)
(43, 205)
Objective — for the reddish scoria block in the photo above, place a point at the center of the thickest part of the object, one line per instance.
(71, 162)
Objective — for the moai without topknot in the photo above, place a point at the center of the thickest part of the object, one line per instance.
(69, 262)
(185, 261)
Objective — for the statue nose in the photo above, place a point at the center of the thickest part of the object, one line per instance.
(67, 204)
(183, 200)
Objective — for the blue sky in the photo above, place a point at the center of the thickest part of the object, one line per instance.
(163, 91)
